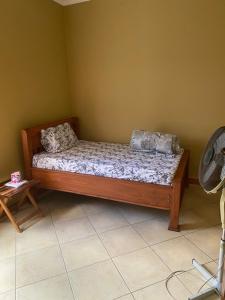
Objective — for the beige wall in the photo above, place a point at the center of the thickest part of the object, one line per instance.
(150, 64)
(33, 77)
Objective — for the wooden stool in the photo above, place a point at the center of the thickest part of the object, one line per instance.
(23, 192)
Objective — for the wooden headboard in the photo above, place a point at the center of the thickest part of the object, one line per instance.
(31, 140)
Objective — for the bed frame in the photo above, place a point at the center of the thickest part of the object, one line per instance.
(139, 193)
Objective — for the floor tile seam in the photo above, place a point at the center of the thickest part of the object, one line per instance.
(117, 228)
(149, 285)
(127, 219)
(148, 242)
(140, 222)
(39, 281)
(7, 257)
(184, 271)
(8, 291)
(67, 220)
(67, 275)
(200, 229)
(167, 240)
(36, 250)
(129, 252)
(87, 266)
(106, 259)
(187, 288)
(103, 211)
(160, 258)
(110, 229)
(129, 294)
(111, 258)
(204, 281)
(51, 213)
(163, 280)
(41, 248)
(155, 252)
(177, 276)
(211, 259)
(203, 229)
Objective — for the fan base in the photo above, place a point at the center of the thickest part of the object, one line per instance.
(204, 294)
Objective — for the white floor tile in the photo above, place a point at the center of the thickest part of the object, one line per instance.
(7, 247)
(7, 274)
(193, 280)
(93, 206)
(127, 297)
(158, 291)
(141, 268)
(57, 288)
(74, 230)
(100, 281)
(107, 220)
(67, 208)
(6, 229)
(37, 265)
(84, 252)
(208, 240)
(191, 221)
(40, 235)
(123, 229)
(122, 240)
(155, 231)
(135, 214)
(178, 253)
(8, 296)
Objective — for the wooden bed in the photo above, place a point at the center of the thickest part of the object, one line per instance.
(134, 192)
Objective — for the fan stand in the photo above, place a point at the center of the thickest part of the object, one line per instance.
(215, 282)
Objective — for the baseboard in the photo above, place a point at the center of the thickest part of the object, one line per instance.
(192, 180)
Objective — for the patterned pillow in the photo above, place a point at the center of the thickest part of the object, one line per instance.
(59, 138)
(148, 141)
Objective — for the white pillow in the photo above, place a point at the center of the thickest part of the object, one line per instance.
(59, 138)
(154, 141)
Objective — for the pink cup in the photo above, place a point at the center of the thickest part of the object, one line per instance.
(16, 177)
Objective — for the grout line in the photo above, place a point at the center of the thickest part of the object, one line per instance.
(109, 256)
(129, 294)
(67, 275)
(87, 216)
(161, 259)
(154, 250)
(40, 280)
(211, 259)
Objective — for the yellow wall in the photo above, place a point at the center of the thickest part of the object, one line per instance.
(150, 64)
(33, 75)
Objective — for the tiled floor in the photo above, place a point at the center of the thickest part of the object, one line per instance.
(91, 249)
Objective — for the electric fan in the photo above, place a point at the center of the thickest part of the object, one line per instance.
(212, 179)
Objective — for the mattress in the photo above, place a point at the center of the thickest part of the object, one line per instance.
(112, 160)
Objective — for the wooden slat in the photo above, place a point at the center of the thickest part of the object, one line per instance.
(10, 191)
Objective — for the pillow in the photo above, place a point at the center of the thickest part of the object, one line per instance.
(148, 141)
(59, 138)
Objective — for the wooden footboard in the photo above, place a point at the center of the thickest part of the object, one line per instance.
(139, 193)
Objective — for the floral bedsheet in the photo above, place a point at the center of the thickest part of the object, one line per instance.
(112, 160)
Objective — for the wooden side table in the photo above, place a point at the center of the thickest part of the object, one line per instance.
(23, 193)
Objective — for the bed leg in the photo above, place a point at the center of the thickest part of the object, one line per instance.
(175, 207)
